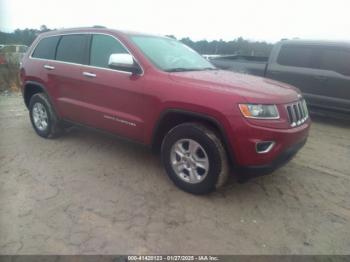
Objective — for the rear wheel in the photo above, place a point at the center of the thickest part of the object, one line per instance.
(43, 117)
(195, 158)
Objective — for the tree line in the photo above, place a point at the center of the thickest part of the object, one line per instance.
(21, 36)
(238, 46)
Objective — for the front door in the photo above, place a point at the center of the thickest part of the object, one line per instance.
(113, 99)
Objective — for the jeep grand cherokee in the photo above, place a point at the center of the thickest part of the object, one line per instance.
(205, 122)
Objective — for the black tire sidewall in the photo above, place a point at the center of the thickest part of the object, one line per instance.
(215, 163)
(37, 98)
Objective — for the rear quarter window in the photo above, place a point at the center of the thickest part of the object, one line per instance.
(46, 48)
(296, 55)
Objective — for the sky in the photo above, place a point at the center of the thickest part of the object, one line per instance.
(262, 20)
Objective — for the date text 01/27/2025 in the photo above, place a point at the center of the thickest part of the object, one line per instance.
(173, 258)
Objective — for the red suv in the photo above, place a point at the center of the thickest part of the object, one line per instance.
(157, 91)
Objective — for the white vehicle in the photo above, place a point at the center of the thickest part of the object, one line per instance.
(12, 53)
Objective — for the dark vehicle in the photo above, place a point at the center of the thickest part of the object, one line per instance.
(321, 70)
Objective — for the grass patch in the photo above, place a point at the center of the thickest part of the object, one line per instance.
(9, 77)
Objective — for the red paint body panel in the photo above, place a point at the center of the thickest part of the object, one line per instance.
(131, 105)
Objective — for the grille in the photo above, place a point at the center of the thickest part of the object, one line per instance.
(297, 113)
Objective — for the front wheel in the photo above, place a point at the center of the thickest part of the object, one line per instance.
(194, 158)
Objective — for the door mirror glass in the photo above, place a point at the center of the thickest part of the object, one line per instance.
(124, 62)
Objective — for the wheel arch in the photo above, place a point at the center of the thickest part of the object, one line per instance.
(31, 88)
(173, 117)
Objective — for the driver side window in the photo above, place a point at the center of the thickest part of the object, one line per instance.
(102, 46)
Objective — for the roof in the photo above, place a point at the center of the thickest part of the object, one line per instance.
(317, 42)
(95, 29)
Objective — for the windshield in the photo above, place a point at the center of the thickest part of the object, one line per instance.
(171, 55)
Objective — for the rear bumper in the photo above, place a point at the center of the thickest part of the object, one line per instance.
(282, 159)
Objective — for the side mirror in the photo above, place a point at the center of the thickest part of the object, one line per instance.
(124, 62)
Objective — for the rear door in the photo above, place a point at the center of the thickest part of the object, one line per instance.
(65, 74)
(335, 62)
(41, 64)
(296, 64)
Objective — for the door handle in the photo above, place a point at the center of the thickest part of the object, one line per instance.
(48, 67)
(87, 74)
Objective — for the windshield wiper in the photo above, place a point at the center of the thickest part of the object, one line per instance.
(209, 68)
(182, 69)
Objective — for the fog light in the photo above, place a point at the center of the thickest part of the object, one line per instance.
(264, 147)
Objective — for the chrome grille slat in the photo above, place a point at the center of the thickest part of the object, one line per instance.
(301, 110)
(305, 109)
(297, 113)
(290, 115)
(294, 117)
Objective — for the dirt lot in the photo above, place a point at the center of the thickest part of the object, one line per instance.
(91, 193)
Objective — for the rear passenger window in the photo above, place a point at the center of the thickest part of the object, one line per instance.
(336, 60)
(296, 55)
(46, 48)
(102, 46)
(72, 48)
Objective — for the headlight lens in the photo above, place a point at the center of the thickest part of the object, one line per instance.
(259, 111)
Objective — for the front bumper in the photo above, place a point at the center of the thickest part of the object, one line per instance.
(282, 159)
(244, 138)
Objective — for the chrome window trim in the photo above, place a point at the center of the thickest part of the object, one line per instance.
(94, 67)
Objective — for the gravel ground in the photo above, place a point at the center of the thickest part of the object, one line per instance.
(90, 193)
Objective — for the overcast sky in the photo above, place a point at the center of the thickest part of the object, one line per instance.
(268, 20)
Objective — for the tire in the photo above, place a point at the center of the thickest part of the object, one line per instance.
(40, 103)
(197, 177)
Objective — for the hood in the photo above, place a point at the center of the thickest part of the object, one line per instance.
(253, 89)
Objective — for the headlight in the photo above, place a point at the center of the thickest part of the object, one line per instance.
(259, 111)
